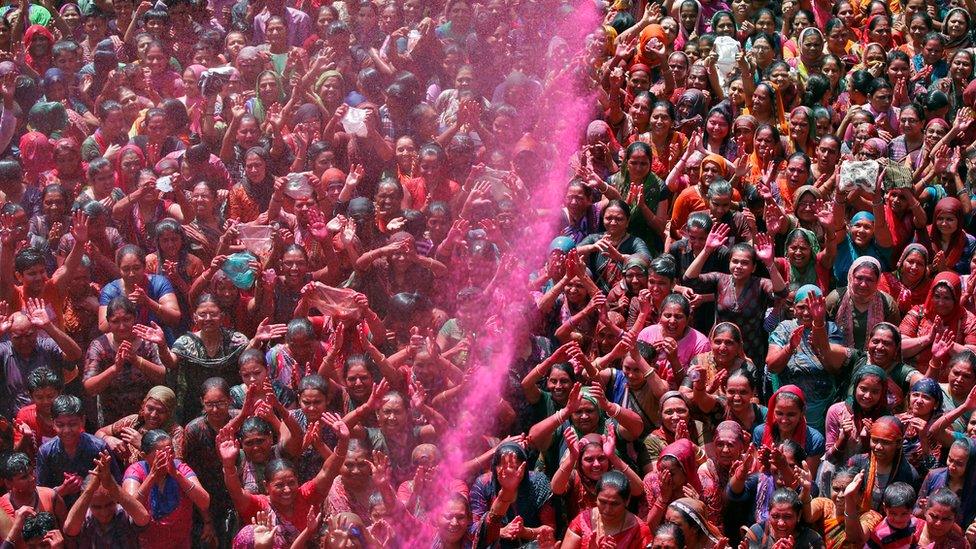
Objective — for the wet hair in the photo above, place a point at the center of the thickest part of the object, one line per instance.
(252, 355)
(672, 531)
(10, 170)
(298, 327)
(944, 496)
(621, 205)
(566, 368)
(37, 526)
(276, 466)
(215, 384)
(664, 265)
(131, 249)
(817, 87)
(744, 247)
(256, 425)
(966, 356)
(27, 258)
(44, 378)
(787, 496)
(616, 480)
(14, 465)
(152, 439)
(744, 374)
(679, 300)
(120, 303)
(720, 187)
(313, 382)
(66, 405)
(899, 494)
(699, 220)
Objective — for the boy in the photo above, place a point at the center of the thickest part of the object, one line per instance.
(899, 527)
(22, 490)
(116, 517)
(36, 426)
(64, 460)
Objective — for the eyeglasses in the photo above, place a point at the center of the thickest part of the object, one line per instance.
(216, 405)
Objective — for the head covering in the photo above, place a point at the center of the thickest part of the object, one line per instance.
(719, 161)
(963, 40)
(846, 309)
(685, 452)
(562, 243)
(48, 117)
(879, 409)
(912, 248)
(806, 291)
(862, 216)
(888, 428)
(950, 280)
(162, 394)
(949, 205)
(30, 36)
(327, 75)
(36, 156)
(120, 181)
(650, 32)
(697, 29)
(800, 433)
(696, 512)
(635, 262)
(931, 388)
(876, 143)
(731, 426)
(258, 107)
(697, 105)
(807, 274)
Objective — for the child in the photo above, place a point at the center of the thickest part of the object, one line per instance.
(64, 460)
(22, 490)
(899, 527)
(105, 512)
(44, 385)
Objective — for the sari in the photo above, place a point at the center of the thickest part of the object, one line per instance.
(847, 310)
(36, 156)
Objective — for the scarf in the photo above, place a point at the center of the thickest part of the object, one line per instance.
(258, 108)
(957, 242)
(881, 409)
(165, 500)
(684, 34)
(33, 33)
(36, 156)
(887, 428)
(965, 39)
(800, 433)
(685, 453)
(127, 185)
(847, 309)
(695, 510)
(649, 33)
(801, 276)
(953, 283)
(696, 104)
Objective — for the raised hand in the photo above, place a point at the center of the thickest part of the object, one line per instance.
(717, 237)
(37, 312)
(267, 332)
(152, 333)
(943, 343)
(510, 473)
(764, 248)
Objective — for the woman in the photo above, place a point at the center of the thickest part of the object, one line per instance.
(124, 437)
(580, 216)
(957, 476)
(717, 137)
(287, 500)
(787, 409)
(173, 259)
(784, 524)
(152, 294)
(923, 446)
(829, 513)
(69, 170)
(767, 107)
(210, 350)
(942, 311)
(128, 162)
(252, 194)
(884, 463)
(531, 498)
(690, 111)
(803, 131)
(608, 250)
(726, 355)
(741, 297)
(580, 471)
(691, 23)
(609, 518)
(676, 425)
(846, 430)
(649, 201)
(867, 235)
(689, 514)
(268, 92)
(169, 489)
(810, 59)
(951, 246)
(667, 143)
(200, 452)
(675, 473)
(805, 263)
(203, 221)
(909, 284)
(957, 26)
(672, 340)
(859, 307)
(137, 214)
(904, 215)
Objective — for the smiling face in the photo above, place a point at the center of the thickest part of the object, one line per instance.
(673, 320)
(782, 520)
(660, 120)
(787, 415)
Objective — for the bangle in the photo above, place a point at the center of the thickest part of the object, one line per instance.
(818, 326)
(615, 414)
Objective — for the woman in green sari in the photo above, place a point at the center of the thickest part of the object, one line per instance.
(268, 91)
(649, 200)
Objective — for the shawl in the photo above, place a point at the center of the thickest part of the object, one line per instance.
(800, 433)
(649, 33)
(951, 281)
(165, 500)
(686, 454)
(258, 108)
(695, 510)
(120, 181)
(33, 33)
(807, 274)
(684, 34)
(719, 161)
(846, 310)
(881, 409)
(697, 105)
(957, 242)
(36, 156)
(778, 112)
(963, 41)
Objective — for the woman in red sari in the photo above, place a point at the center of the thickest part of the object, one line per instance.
(609, 519)
(942, 311)
(950, 245)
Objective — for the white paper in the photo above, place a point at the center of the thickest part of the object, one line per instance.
(858, 174)
(354, 122)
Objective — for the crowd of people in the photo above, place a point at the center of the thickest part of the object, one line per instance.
(276, 274)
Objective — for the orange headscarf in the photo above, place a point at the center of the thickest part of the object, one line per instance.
(650, 32)
(718, 160)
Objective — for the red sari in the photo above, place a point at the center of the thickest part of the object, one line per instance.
(586, 525)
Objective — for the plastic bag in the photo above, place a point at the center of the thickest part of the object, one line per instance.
(256, 238)
(726, 47)
(238, 270)
(354, 122)
(334, 302)
(297, 186)
(164, 184)
(858, 174)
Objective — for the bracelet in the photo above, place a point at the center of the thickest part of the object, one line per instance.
(818, 326)
(615, 414)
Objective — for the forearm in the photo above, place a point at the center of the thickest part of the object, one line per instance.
(560, 480)
(97, 383)
(69, 348)
(169, 315)
(695, 269)
(777, 358)
(76, 515)
(155, 372)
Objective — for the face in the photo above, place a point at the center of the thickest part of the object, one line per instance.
(679, 67)
(156, 59)
(799, 127)
(559, 384)
(247, 136)
(614, 220)
(868, 392)
(640, 111)
(673, 516)
(739, 393)
(610, 504)
(782, 520)
(943, 300)
(659, 286)
(406, 154)
(697, 77)
(881, 347)
(594, 462)
(932, 51)
(586, 417)
(257, 447)
(898, 517)
(728, 448)
(453, 521)
(283, 488)
(673, 411)
(741, 264)
(961, 378)
(638, 164)
(934, 133)
(638, 81)
(881, 33)
(939, 519)
(133, 270)
(725, 348)
(154, 413)
(921, 404)
(765, 141)
(392, 415)
(216, 404)
(862, 232)
(796, 172)
(961, 67)
(812, 46)
(673, 320)
(69, 428)
(387, 200)
(864, 283)
(255, 168)
(787, 415)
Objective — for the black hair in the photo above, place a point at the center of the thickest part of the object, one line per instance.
(672, 531)
(131, 249)
(44, 378)
(256, 425)
(899, 494)
(616, 480)
(679, 300)
(880, 83)
(944, 496)
(120, 303)
(861, 81)
(275, 466)
(252, 355)
(664, 265)
(151, 439)
(27, 258)
(10, 170)
(66, 405)
(14, 465)
(313, 382)
(743, 247)
(215, 384)
(817, 87)
(620, 204)
(788, 496)
(37, 526)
